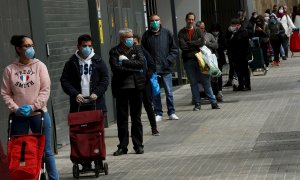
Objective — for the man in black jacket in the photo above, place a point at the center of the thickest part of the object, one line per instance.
(238, 50)
(159, 42)
(85, 78)
(126, 61)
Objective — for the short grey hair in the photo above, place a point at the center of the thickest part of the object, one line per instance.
(123, 31)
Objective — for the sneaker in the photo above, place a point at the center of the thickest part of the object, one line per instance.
(215, 106)
(283, 57)
(158, 118)
(197, 107)
(220, 96)
(173, 117)
(155, 132)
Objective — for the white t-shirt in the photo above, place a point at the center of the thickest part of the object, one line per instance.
(85, 72)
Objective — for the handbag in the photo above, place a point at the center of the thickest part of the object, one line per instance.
(154, 84)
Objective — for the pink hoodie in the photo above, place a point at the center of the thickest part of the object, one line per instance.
(26, 84)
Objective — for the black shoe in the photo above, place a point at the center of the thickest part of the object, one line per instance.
(197, 107)
(215, 106)
(119, 152)
(139, 150)
(155, 132)
(283, 57)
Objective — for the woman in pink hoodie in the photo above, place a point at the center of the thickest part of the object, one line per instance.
(26, 88)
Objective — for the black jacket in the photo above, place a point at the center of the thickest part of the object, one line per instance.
(190, 48)
(238, 45)
(162, 47)
(128, 68)
(71, 81)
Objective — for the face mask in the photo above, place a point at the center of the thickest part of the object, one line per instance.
(255, 16)
(29, 53)
(86, 51)
(155, 24)
(273, 21)
(215, 33)
(129, 42)
(281, 11)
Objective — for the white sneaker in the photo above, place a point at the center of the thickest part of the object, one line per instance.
(158, 118)
(173, 117)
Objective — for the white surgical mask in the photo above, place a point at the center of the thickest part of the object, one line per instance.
(280, 11)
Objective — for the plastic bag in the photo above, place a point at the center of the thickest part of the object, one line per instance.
(154, 84)
(211, 61)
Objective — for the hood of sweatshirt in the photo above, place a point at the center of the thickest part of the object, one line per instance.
(87, 58)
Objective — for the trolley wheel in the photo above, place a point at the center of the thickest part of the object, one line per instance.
(76, 171)
(105, 167)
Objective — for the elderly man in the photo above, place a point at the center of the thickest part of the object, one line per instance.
(128, 81)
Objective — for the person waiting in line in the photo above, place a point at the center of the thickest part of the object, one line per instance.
(288, 25)
(217, 32)
(276, 30)
(26, 88)
(212, 44)
(85, 77)
(149, 68)
(159, 42)
(261, 30)
(238, 49)
(128, 82)
(190, 40)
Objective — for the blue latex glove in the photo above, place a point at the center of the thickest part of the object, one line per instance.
(24, 110)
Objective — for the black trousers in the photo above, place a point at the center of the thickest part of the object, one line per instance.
(241, 68)
(133, 98)
(147, 101)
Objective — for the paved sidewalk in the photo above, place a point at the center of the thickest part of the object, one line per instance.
(255, 135)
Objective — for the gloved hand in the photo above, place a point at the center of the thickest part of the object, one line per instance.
(121, 59)
(24, 110)
(93, 97)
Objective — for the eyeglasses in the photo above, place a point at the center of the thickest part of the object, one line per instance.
(28, 46)
(86, 45)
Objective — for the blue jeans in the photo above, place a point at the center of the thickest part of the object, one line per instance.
(20, 125)
(167, 82)
(193, 72)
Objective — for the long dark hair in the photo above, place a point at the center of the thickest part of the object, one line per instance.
(17, 41)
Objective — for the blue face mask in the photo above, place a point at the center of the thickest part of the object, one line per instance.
(29, 53)
(273, 21)
(129, 42)
(155, 25)
(86, 51)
